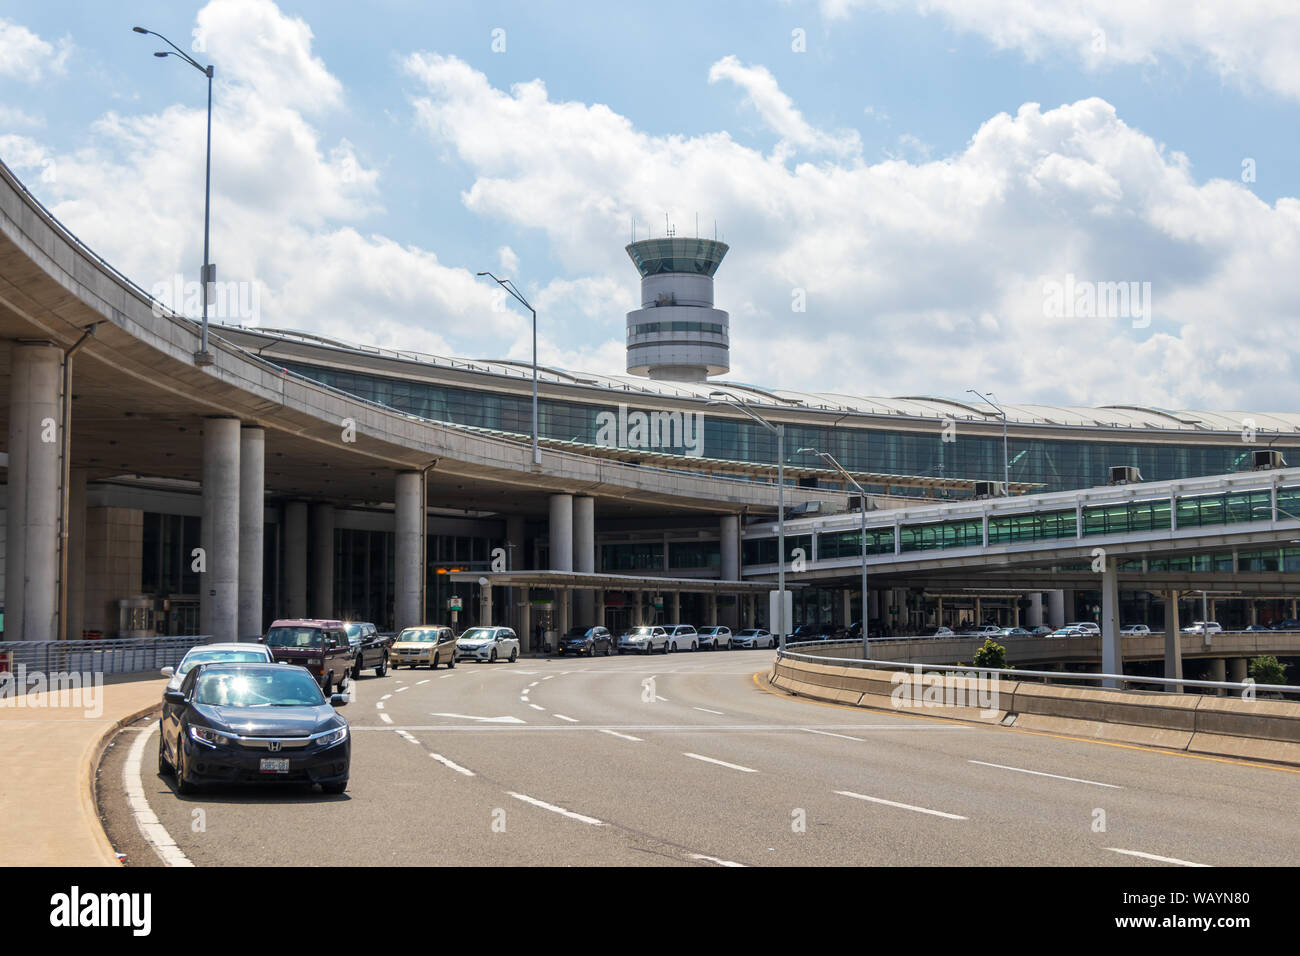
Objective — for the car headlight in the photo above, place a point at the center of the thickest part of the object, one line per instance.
(208, 736)
(337, 737)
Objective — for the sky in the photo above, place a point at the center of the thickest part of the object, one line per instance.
(1080, 202)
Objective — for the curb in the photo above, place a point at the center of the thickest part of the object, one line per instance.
(89, 775)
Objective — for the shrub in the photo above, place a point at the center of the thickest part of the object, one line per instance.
(1267, 670)
(990, 655)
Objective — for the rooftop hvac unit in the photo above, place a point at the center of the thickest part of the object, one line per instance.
(1124, 475)
(990, 489)
(1266, 459)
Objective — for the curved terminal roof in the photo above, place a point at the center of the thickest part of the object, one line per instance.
(677, 254)
(923, 406)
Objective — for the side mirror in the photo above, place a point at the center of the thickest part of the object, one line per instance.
(338, 700)
(261, 639)
(332, 645)
(168, 671)
(174, 697)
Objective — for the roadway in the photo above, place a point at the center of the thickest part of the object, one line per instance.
(582, 762)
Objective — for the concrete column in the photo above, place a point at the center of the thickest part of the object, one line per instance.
(729, 570)
(525, 632)
(1015, 612)
(485, 605)
(76, 555)
(1253, 611)
(219, 532)
(516, 560)
(1216, 668)
(938, 611)
(33, 494)
(1173, 647)
(1056, 608)
(252, 529)
(584, 556)
(1237, 669)
(408, 501)
(295, 559)
(846, 607)
(713, 610)
(600, 608)
(1112, 648)
(676, 607)
(322, 560)
(1035, 613)
(560, 532)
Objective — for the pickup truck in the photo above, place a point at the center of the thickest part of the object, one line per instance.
(369, 648)
(320, 646)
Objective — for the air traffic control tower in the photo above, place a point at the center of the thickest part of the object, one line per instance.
(677, 335)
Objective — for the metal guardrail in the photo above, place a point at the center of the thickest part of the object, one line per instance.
(114, 656)
(1012, 673)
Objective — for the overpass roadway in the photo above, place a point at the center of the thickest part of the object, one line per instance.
(687, 760)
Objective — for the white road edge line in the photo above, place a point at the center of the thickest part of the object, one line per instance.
(450, 765)
(901, 806)
(720, 763)
(714, 859)
(707, 711)
(827, 733)
(1158, 859)
(385, 718)
(615, 733)
(554, 809)
(154, 833)
(1055, 776)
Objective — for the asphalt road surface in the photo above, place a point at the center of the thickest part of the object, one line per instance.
(688, 759)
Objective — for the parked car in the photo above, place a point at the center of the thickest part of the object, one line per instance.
(1201, 627)
(1289, 624)
(253, 723)
(1069, 631)
(1258, 627)
(982, 630)
(1087, 627)
(318, 645)
(752, 637)
(716, 637)
(229, 653)
(487, 644)
(1013, 632)
(431, 644)
(587, 640)
(369, 649)
(805, 632)
(683, 637)
(1135, 630)
(1042, 630)
(645, 639)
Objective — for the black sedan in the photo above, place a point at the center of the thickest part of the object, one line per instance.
(587, 640)
(253, 723)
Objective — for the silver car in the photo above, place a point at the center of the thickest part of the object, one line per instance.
(716, 637)
(228, 653)
(487, 644)
(645, 639)
(754, 637)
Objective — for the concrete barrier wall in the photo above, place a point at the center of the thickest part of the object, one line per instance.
(1267, 730)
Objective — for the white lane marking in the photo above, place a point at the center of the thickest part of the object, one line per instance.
(554, 809)
(615, 733)
(1040, 773)
(1158, 859)
(379, 705)
(711, 729)
(664, 699)
(572, 720)
(825, 733)
(714, 859)
(488, 720)
(534, 683)
(419, 682)
(901, 806)
(707, 711)
(385, 718)
(547, 677)
(450, 765)
(400, 689)
(154, 833)
(445, 676)
(720, 763)
(386, 696)
(536, 707)
(409, 737)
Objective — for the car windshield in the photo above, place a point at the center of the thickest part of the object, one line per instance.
(708, 630)
(295, 637)
(642, 631)
(477, 634)
(577, 632)
(419, 635)
(268, 687)
(749, 632)
(354, 630)
(227, 657)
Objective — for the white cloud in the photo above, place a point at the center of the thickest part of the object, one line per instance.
(1251, 43)
(25, 56)
(919, 276)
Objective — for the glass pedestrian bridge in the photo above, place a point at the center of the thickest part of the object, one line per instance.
(1224, 505)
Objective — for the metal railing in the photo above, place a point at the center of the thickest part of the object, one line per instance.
(1014, 673)
(129, 655)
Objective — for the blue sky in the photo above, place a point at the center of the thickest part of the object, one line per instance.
(369, 161)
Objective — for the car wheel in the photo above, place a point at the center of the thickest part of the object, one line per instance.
(327, 686)
(514, 654)
(163, 766)
(493, 658)
(356, 670)
(452, 663)
(695, 646)
(337, 787)
(382, 669)
(183, 784)
(608, 650)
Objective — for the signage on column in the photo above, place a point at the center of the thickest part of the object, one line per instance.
(454, 603)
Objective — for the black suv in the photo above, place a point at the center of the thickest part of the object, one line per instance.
(587, 640)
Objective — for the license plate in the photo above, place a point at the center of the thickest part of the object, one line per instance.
(275, 765)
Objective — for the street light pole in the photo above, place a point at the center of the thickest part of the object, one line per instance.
(862, 496)
(1006, 454)
(202, 356)
(510, 287)
(726, 398)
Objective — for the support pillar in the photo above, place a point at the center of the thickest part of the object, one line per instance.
(1035, 613)
(729, 570)
(33, 499)
(1217, 670)
(322, 560)
(1056, 608)
(713, 610)
(1173, 646)
(408, 513)
(485, 605)
(676, 607)
(76, 555)
(1237, 669)
(1112, 648)
(295, 559)
(584, 557)
(252, 529)
(219, 531)
(524, 629)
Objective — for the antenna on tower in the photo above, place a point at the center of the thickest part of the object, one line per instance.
(667, 229)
